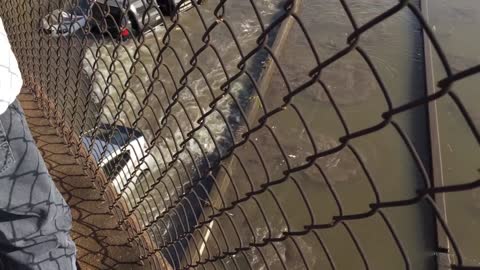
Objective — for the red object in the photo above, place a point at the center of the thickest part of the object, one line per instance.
(125, 33)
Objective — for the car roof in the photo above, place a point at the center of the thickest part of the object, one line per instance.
(108, 140)
(98, 147)
(130, 133)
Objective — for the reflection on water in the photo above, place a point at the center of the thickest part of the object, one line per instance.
(141, 77)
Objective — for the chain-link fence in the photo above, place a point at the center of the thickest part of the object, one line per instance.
(269, 134)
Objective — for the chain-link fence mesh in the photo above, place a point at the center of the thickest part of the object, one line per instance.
(269, 134)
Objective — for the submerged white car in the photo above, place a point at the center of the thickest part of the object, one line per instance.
(62, 23)
(118, 151)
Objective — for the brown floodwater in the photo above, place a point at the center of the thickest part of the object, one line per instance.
(395, 48)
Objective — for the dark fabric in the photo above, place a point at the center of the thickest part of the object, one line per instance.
(34, 218)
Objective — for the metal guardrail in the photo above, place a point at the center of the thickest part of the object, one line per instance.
(216, 152)
(435, 145)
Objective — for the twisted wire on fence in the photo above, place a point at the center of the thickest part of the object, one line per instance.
(255, 134)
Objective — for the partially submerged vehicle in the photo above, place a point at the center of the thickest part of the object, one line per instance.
(117, 18)
(117, 150)
(62, 23)
(127, 18)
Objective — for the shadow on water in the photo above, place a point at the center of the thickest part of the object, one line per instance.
(417, 129)
(193, 205)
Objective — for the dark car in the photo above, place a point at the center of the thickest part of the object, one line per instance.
(169, 7)
(122, 18)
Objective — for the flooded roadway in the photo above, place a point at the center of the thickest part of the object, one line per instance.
(395, 47)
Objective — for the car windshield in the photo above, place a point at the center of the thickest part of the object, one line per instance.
(120, 136)
(114, 166)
